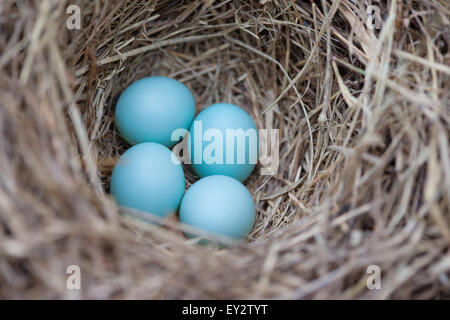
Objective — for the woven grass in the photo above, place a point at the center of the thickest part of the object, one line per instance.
(364, 175)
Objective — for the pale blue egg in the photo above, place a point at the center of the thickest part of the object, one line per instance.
(150, 109)
(223, 140)
(148, 178)
(219, 205)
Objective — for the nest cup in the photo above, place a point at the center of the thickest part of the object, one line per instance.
(362, 180)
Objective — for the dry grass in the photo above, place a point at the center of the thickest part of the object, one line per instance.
(364, 118)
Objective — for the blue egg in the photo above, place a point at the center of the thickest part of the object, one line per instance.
(150, 109)
(219, 205)
(148, 178)
(223, 140)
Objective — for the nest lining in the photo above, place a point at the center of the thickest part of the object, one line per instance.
(363, 176)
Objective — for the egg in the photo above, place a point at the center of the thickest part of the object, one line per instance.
(150, 109)
(223, 140)
(219, 205)
(148, 178)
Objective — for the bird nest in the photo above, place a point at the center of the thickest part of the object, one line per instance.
(360, 98)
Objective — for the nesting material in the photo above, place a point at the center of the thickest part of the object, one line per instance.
(363, 177)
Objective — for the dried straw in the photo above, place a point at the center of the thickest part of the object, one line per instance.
(363, 114)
